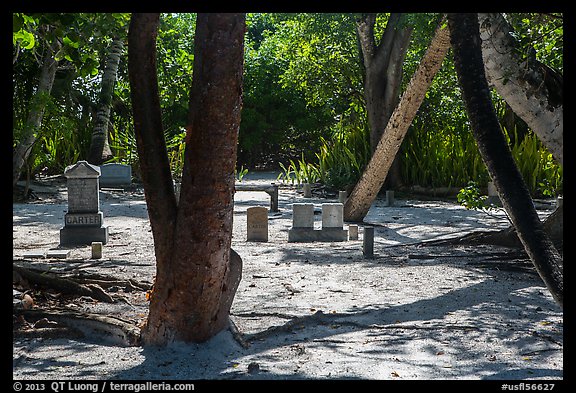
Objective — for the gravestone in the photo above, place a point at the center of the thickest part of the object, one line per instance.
(83, 223)
(257, 224)
(353, 231)
(115, 174)
(96, 250)
(332, 215)
(303, 215)
(333, 222)
(342, 195)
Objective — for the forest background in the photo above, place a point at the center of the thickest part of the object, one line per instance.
(304, 109)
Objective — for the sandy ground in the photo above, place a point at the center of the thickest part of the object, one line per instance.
(314, 310)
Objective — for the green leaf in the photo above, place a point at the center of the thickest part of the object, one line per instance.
(67, 41)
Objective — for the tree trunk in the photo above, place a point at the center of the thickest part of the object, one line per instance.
(515, 197)
(99, 147)
(373, 177)
(37, 106)
(383, 69)
(197, 272)
(533, 90)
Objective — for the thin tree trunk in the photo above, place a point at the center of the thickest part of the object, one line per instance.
(374, 175)
(533, 90)
(99, 146)
(515, 197)
(197, 272)
(37, 106)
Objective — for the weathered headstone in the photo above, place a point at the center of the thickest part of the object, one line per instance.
(333, 222)
(115, 174)
(368, 242)
(257, 224)
(96, 250)
(353, 231)
(332, 215)
(303, 215)
(83, 224)
(342, 195)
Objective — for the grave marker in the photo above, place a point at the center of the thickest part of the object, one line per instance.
(257, 224)
(115, 174)
(353, 231)
(83, 223)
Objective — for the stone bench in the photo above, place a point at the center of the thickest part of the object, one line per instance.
(270, 189)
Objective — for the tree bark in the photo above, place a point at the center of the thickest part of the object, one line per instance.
(515, 197)
(373, 177)
(99, 147)
(37, 106)
(533, 90)
(197, 272)
(383, 69)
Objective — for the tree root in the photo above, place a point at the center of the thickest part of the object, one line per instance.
(64, 285)
(553, 225)
(110, 329)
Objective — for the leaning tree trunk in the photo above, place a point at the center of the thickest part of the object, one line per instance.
(197, 272)
(374, 175)
(513, 192)
(99, 147)
(37, 106)
(533, 90)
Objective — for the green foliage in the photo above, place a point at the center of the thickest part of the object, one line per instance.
(240, 173)
(303, 105)
(123, 142)
(278, 122)
(59, 142)
(299, 172)
(542, 174)
(471, 198)
(176, 146)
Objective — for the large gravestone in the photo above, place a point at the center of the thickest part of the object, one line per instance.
(84, 222)
(114, 175)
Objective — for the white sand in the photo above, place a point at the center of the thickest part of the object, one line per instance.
(400, 316)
